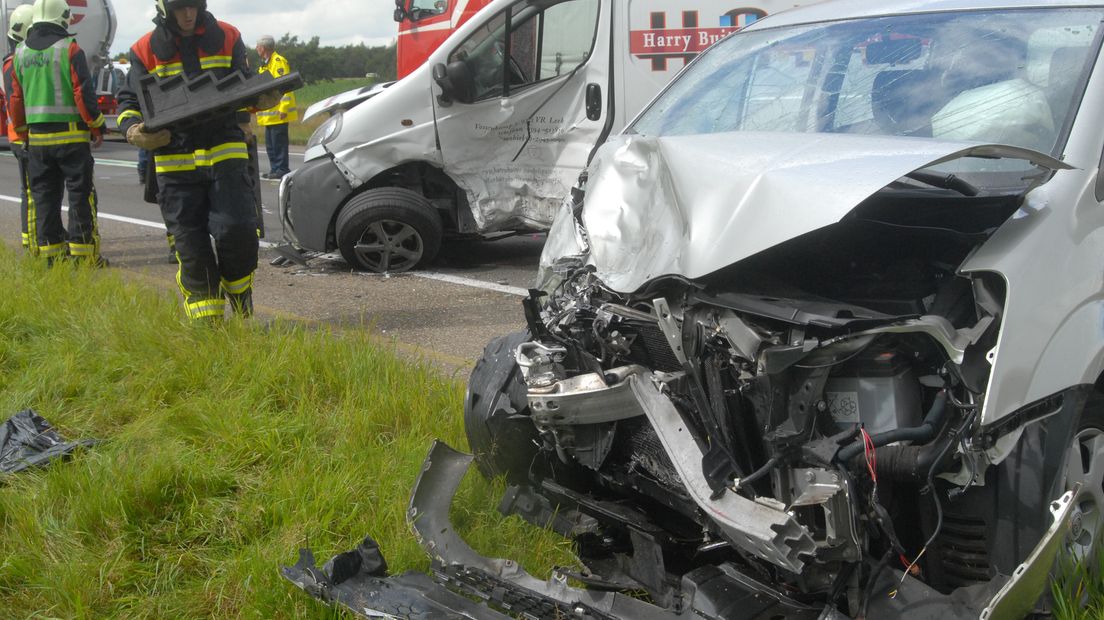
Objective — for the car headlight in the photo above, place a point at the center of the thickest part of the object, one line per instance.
(326, 131)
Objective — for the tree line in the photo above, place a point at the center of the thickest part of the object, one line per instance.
(318, 63)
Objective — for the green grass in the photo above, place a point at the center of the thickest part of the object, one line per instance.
(1078, 590)
(299, 132)
(224, 450)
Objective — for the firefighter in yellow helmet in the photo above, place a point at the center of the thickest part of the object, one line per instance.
(19, 24)
(275, 120)
(53, 106)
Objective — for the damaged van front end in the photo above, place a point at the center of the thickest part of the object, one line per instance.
(819, 336)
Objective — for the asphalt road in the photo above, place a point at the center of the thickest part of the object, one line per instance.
(444, 315)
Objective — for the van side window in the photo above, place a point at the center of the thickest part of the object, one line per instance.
(531, 42)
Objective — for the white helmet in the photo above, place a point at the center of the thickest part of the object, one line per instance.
(20, 23)
(51, 12)
(164, 6)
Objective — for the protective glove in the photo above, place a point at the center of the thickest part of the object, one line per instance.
(247, 129)
(138, 136)
(271, 99)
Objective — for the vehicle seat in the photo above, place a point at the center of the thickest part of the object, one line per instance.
(903, 101)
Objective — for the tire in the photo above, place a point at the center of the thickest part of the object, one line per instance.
(496, 414)
(1085, 464)
(388, 229)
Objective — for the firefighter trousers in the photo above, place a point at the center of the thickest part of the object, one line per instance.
(212, 202)
(51, 170)
(27, 227)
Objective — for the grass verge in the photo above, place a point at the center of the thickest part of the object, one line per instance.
(224, 450)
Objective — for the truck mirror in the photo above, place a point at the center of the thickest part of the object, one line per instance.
(400, 14)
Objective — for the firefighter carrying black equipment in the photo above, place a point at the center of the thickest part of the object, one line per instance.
(201, 171)
(19, 24)
(53, 107)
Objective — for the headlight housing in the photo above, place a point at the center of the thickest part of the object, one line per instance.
(326, 132)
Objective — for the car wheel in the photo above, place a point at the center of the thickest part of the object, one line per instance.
(1085, 464)
(496, 413)
(388, 229)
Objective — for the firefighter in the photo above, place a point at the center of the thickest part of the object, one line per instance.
(275, 121)
(19, 24)
(204, 189)
(53, 107)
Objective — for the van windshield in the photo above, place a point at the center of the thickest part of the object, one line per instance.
(1008, 77)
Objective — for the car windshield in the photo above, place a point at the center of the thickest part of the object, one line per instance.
(1007, 77)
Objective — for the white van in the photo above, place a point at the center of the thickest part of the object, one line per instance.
(489, 135)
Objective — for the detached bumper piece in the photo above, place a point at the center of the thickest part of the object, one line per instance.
(180, 101)
(467, 585)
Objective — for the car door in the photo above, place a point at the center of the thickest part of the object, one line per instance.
(535, 76)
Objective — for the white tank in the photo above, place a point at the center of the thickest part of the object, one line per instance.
(93, 23)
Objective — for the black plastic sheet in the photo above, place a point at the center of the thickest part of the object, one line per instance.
(28, 440)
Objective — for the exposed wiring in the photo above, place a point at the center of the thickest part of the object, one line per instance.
(834, 362)
(935, 497)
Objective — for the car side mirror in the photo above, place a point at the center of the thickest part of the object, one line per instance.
(455, 81)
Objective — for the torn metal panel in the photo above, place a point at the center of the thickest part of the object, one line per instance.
(690, 205)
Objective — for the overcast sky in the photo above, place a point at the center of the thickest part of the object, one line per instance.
(334, 22)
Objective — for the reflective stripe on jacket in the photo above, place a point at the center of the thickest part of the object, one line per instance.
(200, 158)
(286, 112)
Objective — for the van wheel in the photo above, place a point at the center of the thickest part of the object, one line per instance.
(388, 230)
(1085, 464)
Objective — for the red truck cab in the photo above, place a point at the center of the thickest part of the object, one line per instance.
(425, 24)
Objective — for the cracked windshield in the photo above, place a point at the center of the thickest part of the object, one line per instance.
(1003, 77)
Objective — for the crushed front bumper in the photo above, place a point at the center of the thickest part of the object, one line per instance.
(465, 584)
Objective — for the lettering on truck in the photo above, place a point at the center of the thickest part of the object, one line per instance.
(660, 43)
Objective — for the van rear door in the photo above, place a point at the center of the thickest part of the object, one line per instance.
(535, 77)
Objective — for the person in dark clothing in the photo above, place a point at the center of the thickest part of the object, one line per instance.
(53, 106)
(19, 24)
(202, 175)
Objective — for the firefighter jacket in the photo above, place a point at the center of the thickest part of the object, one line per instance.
(9, 128)
(216, 48)
(286, 112)
(5, 126)
(52, 96)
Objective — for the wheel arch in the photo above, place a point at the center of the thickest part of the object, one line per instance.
(419, 176)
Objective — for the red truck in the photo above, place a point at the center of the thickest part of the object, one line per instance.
(425, 24)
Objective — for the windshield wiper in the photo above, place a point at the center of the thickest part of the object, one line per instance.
(944, 181)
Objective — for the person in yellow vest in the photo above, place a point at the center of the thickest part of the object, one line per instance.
(53, 106)
(275, 121)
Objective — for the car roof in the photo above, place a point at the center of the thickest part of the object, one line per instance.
(831, 10)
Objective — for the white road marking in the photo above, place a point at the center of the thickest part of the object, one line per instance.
(429, 275)
(124, 219)
(490, 286)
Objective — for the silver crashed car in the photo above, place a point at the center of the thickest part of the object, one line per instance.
(821, 335)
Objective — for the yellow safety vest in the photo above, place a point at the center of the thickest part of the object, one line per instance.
(277, 66)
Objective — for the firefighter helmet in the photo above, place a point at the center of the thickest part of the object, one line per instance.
(164, 6)
(20, 23)
(51, 12)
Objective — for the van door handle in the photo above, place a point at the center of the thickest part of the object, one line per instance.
(594, 101)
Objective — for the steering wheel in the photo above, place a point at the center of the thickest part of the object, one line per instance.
(514, 74)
